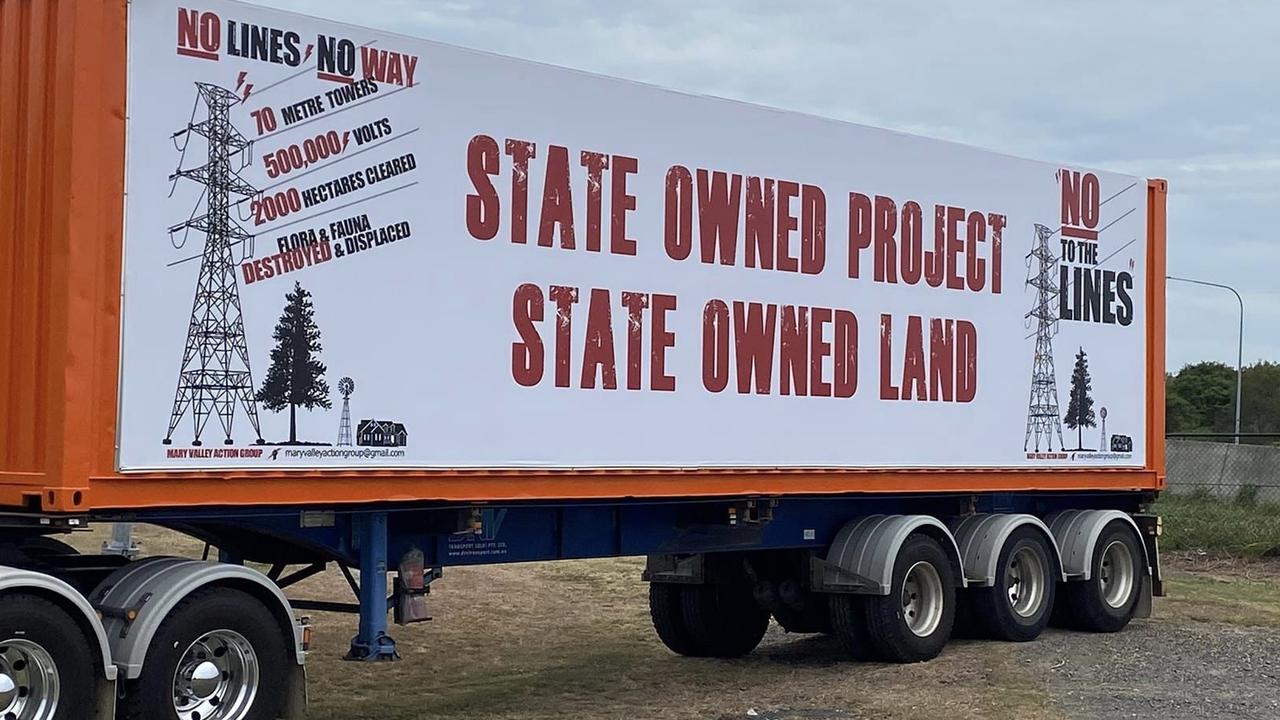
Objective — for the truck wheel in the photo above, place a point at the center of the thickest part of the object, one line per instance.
(912, 623)
(46, 664)
(966, 625)
(43, 545)
(1018, 605)
(798, 610)
(219, 655)
(1061, 616)
(803, 622)
(1107, 600)
(723, 620)
(849, 625)
(666, 609)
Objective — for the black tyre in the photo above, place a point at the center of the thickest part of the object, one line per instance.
(808, 621)
(849, 625)
(1018, 605)
(45, 545)
(219, 654)
(1061, 616)
(47, 659)
(966, 625)
(800, 611)
(666, 609)
(1107, 600)
(913, 622)
(723, 620)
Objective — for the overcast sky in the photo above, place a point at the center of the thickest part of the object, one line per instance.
(1180, 90)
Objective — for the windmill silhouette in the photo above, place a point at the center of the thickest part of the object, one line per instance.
(346, 386)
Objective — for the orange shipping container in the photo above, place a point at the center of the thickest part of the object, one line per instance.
(65, 81)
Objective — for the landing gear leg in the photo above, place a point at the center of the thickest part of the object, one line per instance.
(372, 644)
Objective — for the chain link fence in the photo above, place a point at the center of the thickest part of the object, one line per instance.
(1223, 493)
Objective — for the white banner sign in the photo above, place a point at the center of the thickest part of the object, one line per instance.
(346, 248)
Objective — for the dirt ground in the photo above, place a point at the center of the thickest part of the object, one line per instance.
(573, 640)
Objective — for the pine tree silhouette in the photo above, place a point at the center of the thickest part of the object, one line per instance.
(296, 377)
(1080, 409)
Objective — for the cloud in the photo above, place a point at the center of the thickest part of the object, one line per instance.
(1182, 90)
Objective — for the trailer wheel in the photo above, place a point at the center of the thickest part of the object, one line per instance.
(666, 609)
(46, 666)
(43, 545)
(219, 655)
(913, 622)
(1107, 600)
(849, 625)
(1061, 616)
(724, 621)
(966, 625)
(1018, 605)
(809, 621)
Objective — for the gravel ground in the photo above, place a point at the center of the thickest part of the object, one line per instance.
(1155, 669)
(1162, 669)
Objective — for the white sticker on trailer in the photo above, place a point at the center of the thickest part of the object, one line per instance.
(347, 248)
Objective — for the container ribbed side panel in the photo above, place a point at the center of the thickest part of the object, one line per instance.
(27, 37)
(62, 67)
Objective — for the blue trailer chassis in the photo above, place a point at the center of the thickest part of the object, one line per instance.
(374, 538)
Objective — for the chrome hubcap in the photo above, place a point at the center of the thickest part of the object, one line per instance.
(1026, 578)
(205, 679)
(29, 685)
(8, 691)
(1116, 574)
(217, 678)
(922, 599)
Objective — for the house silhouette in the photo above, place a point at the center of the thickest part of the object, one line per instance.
(381, 433)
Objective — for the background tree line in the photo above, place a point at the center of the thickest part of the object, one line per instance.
(1201, 398)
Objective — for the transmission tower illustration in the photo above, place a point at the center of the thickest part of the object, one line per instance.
(346, 386)
(1043, 420)
(215, 376)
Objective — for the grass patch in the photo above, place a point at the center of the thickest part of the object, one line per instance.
(1232, 600)
(1209, 524)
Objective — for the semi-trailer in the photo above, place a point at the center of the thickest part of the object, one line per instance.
(324, 296)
